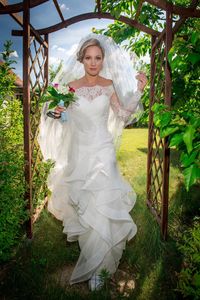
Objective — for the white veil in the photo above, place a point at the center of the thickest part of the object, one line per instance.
(116, 66)
(119, 68)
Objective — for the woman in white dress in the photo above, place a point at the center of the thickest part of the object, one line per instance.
(88, 193)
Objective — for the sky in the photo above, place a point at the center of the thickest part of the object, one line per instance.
(62, 42)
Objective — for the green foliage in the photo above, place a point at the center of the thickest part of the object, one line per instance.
(55, 96)
(7, 78)
(184, 58)
(12, 185)
(183, 130)
(43, 266)
(189, 276)
(40, 190)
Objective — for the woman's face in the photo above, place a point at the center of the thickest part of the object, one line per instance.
(93, 60)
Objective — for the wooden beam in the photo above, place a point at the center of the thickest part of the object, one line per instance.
(14, 8)
(99, 6)
(177, 10)
(150, 123)
(26, 112)
(91, 15)
(58, 10)
(46, 65)
(15, 16)
(139, 9)
(19, 20)
(38, 37)
(166, 150)
(178, 24)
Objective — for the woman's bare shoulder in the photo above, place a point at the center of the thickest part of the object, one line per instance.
(75, 84)
(105, 81)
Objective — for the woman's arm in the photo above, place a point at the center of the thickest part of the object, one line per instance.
(122, 112)
(119, 110)
(142, 81)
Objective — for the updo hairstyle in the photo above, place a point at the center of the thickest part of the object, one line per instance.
(91, 42)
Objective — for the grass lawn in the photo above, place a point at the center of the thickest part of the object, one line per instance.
(43, 266)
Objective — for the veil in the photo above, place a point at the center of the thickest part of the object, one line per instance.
(118, 67)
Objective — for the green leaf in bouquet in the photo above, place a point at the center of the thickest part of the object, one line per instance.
(52, 91)
(53, 104)
(43, 99)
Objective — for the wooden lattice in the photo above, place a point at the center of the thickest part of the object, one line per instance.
(158, 156)
(156, 146)
(38, 83)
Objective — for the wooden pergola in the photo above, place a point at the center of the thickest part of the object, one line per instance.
(35, 81)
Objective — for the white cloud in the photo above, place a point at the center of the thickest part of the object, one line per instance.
(14, 54)
(63, 7)
(54, 60)
(54, 47)
(61, 49)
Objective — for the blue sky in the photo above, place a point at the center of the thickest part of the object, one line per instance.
(63, 41)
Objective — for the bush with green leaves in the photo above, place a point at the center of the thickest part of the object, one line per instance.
(183, 130)
(7, 78)
(189, 276)
(12, 185)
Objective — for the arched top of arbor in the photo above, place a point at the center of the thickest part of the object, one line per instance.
(92, 15)
(13, 9)
(162, 4)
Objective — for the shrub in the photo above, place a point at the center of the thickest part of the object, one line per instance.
(12, 185)
(189, 276)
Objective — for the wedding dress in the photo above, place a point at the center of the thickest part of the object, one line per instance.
(89, 195)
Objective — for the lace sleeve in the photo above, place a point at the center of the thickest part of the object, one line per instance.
(119, 110)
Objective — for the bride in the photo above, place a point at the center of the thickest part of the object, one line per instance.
(88, 194)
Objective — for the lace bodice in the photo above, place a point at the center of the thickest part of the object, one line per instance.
(92, 92)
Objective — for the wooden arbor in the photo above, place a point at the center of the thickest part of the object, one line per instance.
(35, 80)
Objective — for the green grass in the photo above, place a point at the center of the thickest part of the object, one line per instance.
(37, 270)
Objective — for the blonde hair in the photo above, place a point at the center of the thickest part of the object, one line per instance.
(91, 42)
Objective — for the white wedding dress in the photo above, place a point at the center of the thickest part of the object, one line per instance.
(88, 193)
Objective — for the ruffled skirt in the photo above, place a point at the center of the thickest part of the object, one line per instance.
(93, 201)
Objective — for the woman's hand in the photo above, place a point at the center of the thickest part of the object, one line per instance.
(58, 110)
(142, 81)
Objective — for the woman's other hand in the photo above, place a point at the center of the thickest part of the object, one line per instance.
(142, 81)
(59, 109)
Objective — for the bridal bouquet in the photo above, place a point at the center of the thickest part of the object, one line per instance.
(58, 95)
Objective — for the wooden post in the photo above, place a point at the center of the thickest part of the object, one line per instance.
(26, 112)
(150, 126)
(166, 154)
(46, 65)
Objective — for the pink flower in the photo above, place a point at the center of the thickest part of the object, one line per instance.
(71, 89)
(56, 85)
